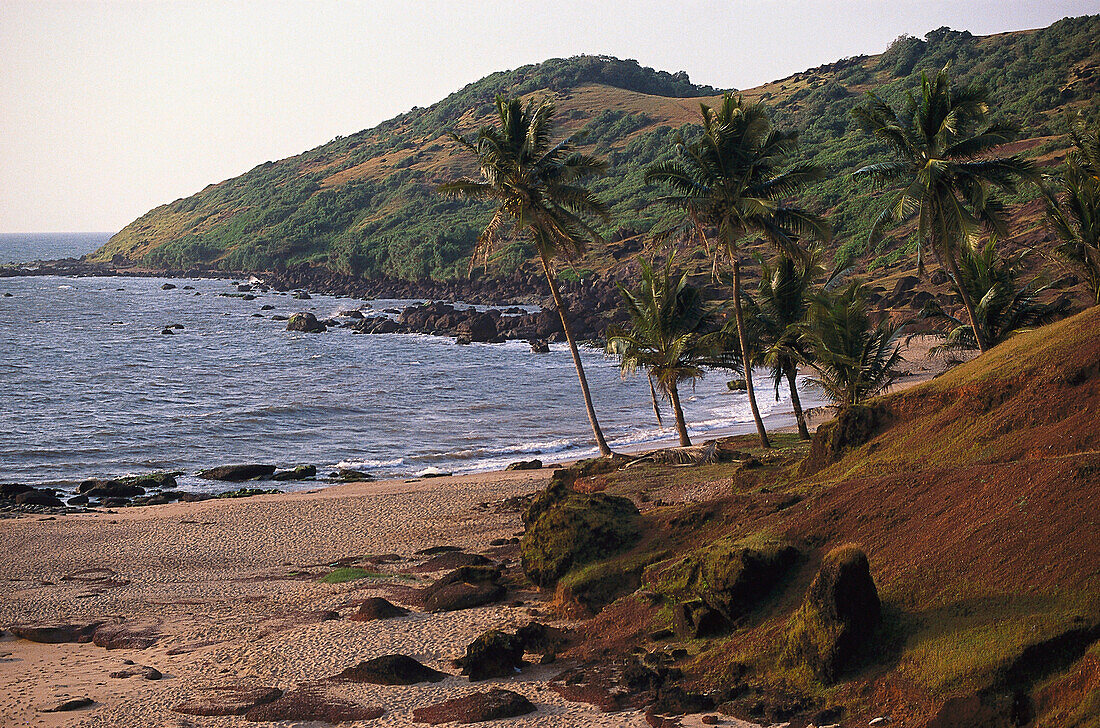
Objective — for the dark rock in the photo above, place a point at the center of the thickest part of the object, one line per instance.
(306, 322)
(493, 654)
(115, 502)
(433, 550)
(903, 286)
(525, 465)
(539, 346)
(167, 287)
(839, 615)
(347, 475)
(40, 497)
(95, 488)
(246, 492)
(146, 672)
(494, 704)
(464, 588)
(453, 560)
(227, 700)
(692, 620)
(852, 427)
(300, 472)
(575, 530)
(10, 490)
(479, 328)
(267, 307)
(374, 608)
(280, 317)
(390, 670)
(354, 313)
(70, 703)
(55, 633)
(310, 703)
(77, 500)
(301, 296)
(237, 473)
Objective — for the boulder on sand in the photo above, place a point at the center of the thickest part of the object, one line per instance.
(493, 654)
(41, 497)
(237, 473)
(492, 704)
(374, 608)
(464, 588)
(311, 704)
(227, 700)
(839, 614)
(390, 670)
(55, 633)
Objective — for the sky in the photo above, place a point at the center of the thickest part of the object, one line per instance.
(108, 109)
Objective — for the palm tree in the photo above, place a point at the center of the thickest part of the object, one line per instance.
(731, 180)
(942, 171)
(667, 319)
(781, 305)
(539, 192)
(1004, 306)
(1074, 215)
(853, 359)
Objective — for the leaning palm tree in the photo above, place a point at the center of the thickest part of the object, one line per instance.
(781, 304)
(942, 170)
(539, 192)
(1005, 305)
(731, 180)
(854, 360)
(1074, 212)
(667, 317)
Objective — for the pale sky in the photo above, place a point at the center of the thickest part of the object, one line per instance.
(108, 109)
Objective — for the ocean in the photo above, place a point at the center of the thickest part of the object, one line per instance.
(91, 387)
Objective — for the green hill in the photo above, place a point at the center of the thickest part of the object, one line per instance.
(365, 204)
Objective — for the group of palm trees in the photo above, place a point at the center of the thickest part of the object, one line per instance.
(734, 185)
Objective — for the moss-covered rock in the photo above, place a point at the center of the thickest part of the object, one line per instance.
(587, 589)
(494, 654)
(852, 427)
(728, 576)
(840, 613)
(571, 529)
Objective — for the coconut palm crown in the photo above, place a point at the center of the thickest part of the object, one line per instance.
(1073, 212)
(668, 317)
(537, 187)
(942, 173)
(734, 180)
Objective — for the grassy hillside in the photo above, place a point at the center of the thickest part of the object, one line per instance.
(975, 497)
(365, 204)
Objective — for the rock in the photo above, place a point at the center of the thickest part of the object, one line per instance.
(10, 490)
(96, 488)
(77, 500)
(374, 608)
(727, 577)
(353, 313)
(539, 346)
(479, 328)
(246, 492)
(167, 332)
(280, 317)
(237, 473)
(492, 704)
(838, 616)
(493, 654)
(124, 636)
(55, 633)
(227, 700)
(709, 720)
(390, 670)
(69, 703)
(167, 287)
(453, 560)
(146, 672)
(306, 322)
(267, 307)
(244, 287)
(300, 472)
(525, 465)
(42, 497)
(574, 530)
(464, 588)
(852, 428)
(347, 475)
(433, 550)
(310, 703)
(301, 295)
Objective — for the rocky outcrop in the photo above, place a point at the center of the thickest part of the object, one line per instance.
(227, 700)
(237, 473)
(300, 472)
(305, 322)
(311, 703)
(494, 704)
(453, 560)
(493, 654)
(838, 616)
(390, 670)
(55, 633)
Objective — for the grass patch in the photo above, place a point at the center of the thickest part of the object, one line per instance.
(354, 573)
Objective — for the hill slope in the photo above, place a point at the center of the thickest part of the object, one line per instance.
(365, 204)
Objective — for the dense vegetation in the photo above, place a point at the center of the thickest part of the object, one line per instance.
(365, 204)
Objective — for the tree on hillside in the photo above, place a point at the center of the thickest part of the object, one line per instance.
(781, 305)
(539, 192)
(1004, 306)
(854, 359)
(731, 180)
(1074, 211)
(942, 171)
(667, 317)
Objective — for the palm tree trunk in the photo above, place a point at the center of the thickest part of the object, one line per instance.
(681, 426)
(605, 450)
(979, 336)
(799, 415)
(745, 360)
(653, 396)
